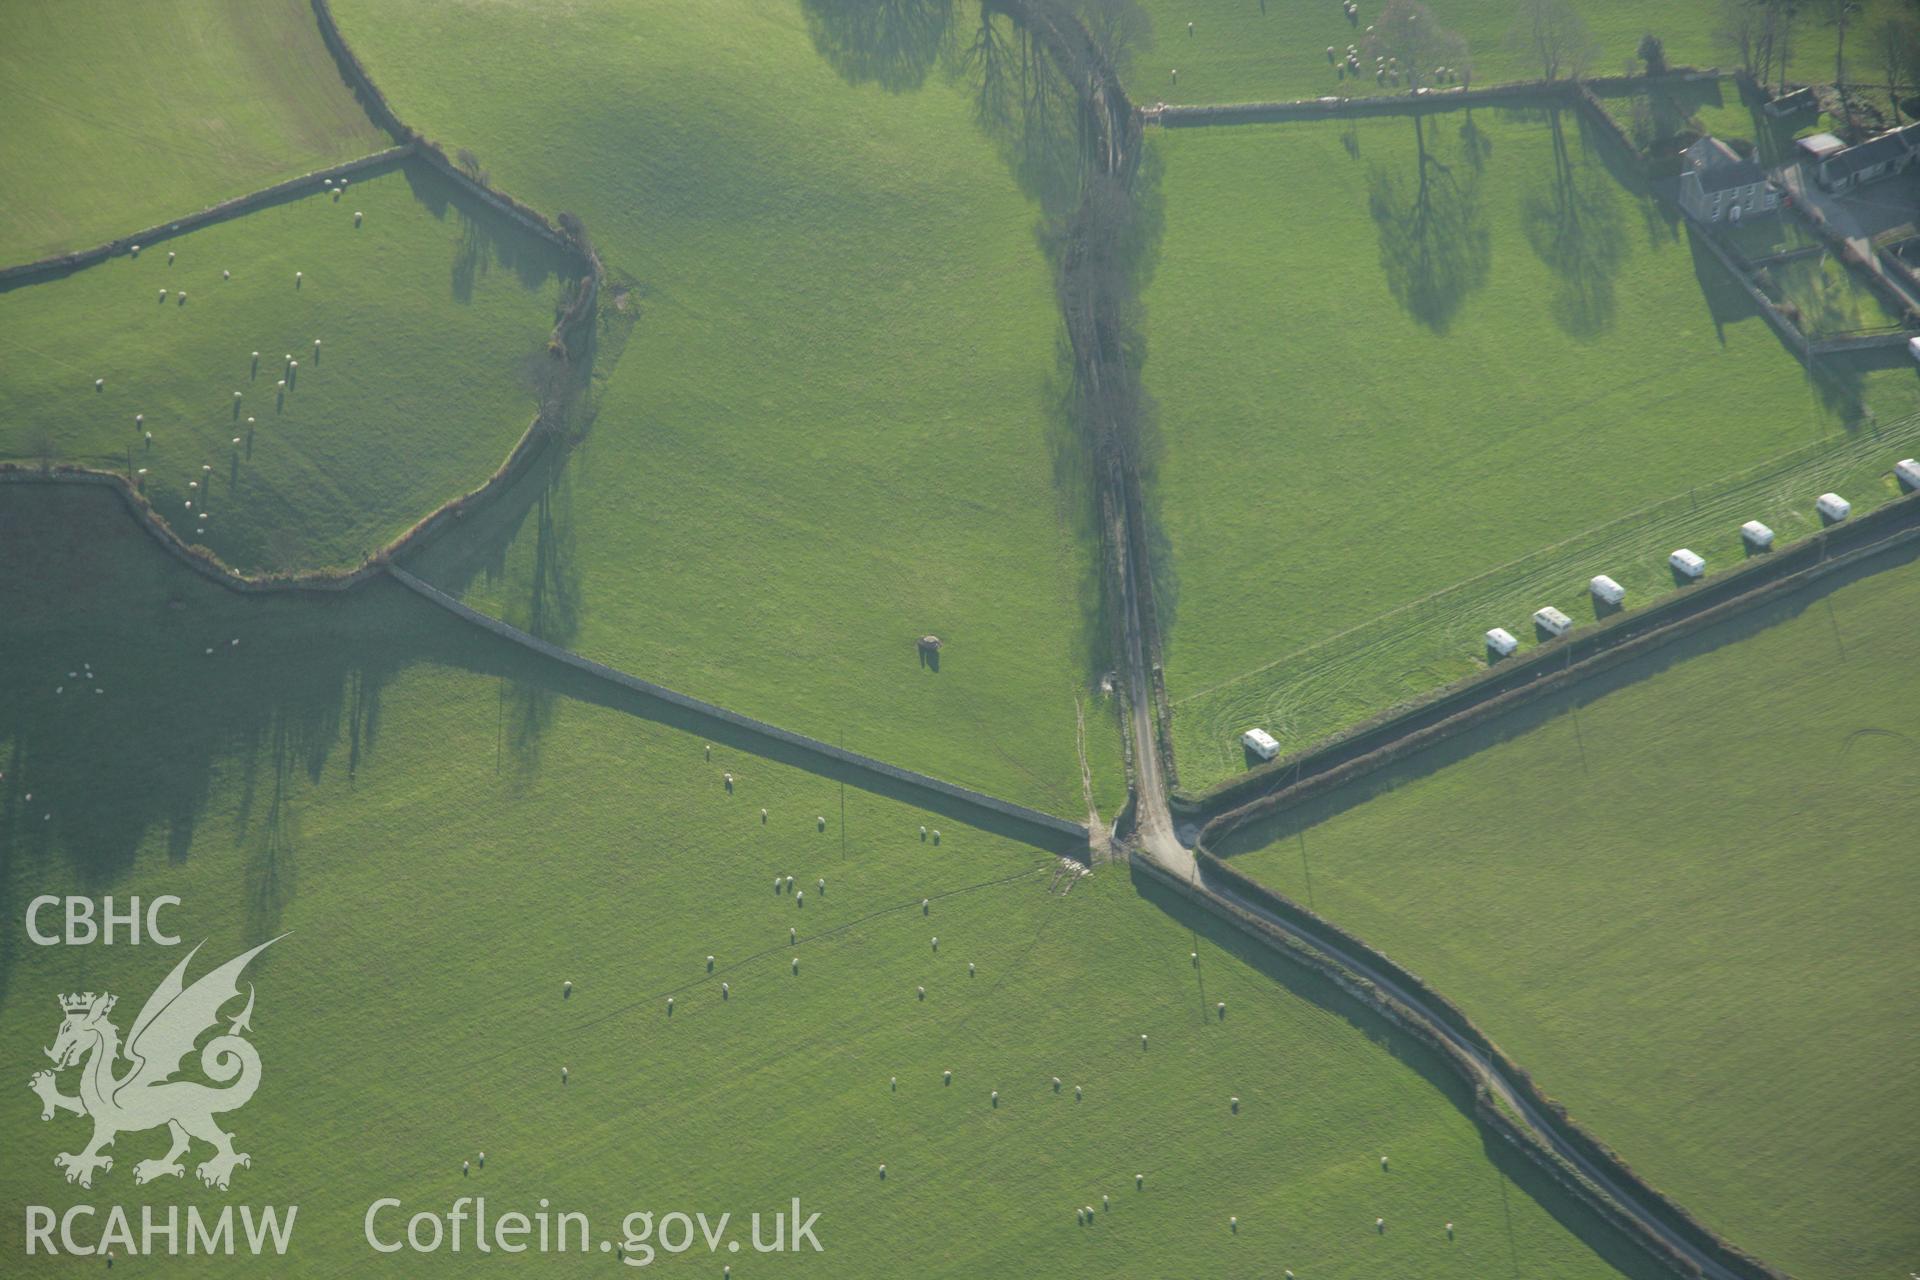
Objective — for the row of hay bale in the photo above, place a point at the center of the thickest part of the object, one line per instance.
(1550, 623)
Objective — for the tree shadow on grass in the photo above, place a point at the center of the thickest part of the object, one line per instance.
(1435, 249)
(1572, 221)
(1293, 980)
(484, 238)
(894, 44)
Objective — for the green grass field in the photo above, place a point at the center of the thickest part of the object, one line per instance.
(1680, 897)
(430, 314)
(1276, 50)
(833, 426)
(445, 841)
(1389, 424)
(120, 116)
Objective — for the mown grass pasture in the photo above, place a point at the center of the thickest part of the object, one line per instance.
(1276, 50)
(835, 424)
(121, 116)
(446, 838)
(1679, 894)
(1397, 410)
(433, 314)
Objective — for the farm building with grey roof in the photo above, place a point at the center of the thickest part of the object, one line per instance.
(1718, 183)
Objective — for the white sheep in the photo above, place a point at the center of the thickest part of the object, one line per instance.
(969, 968)
(823, 884)
(763, 817)
(563, 1075)
(566, 989)
(226, 275)
(1056, 1084)
(136, 251)
(725, 991)
(893, 1084)
(926, 906)
(669, 1006)
(994, 1097)
(821, 822)
(138, 420)
(1383, 1164)
(99, 384)
(800, 898)
(1380, 1225)
(163, 295)
(920, 992)
(169, 257)
(796, 966)
(357, 215)
(1076, 1093)
(709, 964)
(1139, 1181)
(1234, 1102)
(946, 1077)
(883, 1173)
(1143, 1042)
(936, 943)
(1233, 1225)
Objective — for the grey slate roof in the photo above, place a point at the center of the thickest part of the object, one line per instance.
(1873, 151)
(1719, 167)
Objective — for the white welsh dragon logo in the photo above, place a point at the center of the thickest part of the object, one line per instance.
(146, 1095)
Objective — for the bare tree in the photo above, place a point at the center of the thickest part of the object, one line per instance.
(1741, 30)
(1407, 33)
(1898, 42)
(1838, 14)
(1554, 34)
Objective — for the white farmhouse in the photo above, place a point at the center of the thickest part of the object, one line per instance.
(1719, 184)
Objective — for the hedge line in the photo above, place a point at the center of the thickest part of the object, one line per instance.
(579, 310)
(1569, 1132)
(1046, 822)
(60, 264)
(1336, 107)
(1300, 950)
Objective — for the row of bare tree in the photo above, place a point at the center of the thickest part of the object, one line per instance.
(1760, 33)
